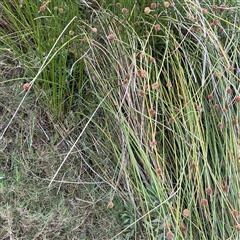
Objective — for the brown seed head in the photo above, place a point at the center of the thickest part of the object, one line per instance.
(127, 76)
(169, 84)
(110, 205)
(141, 92)
(220, 126)
(157, 27)
(152, 111)
(142, 55)
(42, 9)
(218, 74)
(155, 86)
(146, 87)
(143, 73)
(159, 171)
(225, 188)
(26, 86)
(111, 37)
(125, 11)
(222, 7)
(214, 7)
(208, 191)
(152, 60)
(229, 90)
(204, 203)
(171, 120)
(192, 166)
(153, 5)
(235, 213)
(210, 97)
(238, 227)
(166, 4)
(71, 32)
(170, 235)
(199, 108)
(237, 99)
(224, 110)
(234, 121)
(183, 229)
(185, 213)
(153, 144)
(147, 10)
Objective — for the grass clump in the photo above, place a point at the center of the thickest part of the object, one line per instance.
(140, 99)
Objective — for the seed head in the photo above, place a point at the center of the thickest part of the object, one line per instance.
(125, 11)
(210, 97)
(94, 30)
(235, 213)
(146, 87)
(170, 235)
(183, 229)
(143, 73)
(224, 110)
(238, 227)
(220, 126)
(141, 92)
(185, 213)
(147, 10)
(214, 7)
(155, 86)
(118, 4)
(229, 90)
(26, 86)
(204, 203)
(152, 112)
(222, 7)
(234, 121)
(199, 108)
(225, 188)
(111, 37)
(218, 74)
(152, 60)
(208, 191)
(169, 84)
(71, 32)
(159, 171)
(189, 16)
(192, 166)
(153, 144)
(166, 4)
(110, 205)
(171, 120)
(157, 27)
(204, 10)
(237, 99)
(60, 10)
(153, 5)
(42, 9)
(142, 55)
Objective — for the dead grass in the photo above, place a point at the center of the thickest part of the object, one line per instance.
(75, 206)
